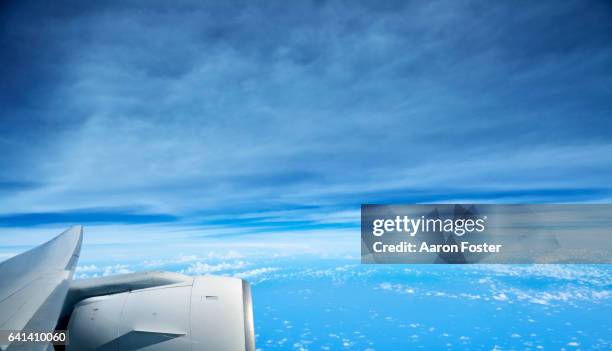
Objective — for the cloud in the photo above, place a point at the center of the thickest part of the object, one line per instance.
(250, 119)
(84, 216)
(500, 297)
(399, 288)
(117, 269)
(255, 272)
(232, 254)
(200, 268)
(581, 274)
(187, 258)
(94, 271)
(565, 285)
(87, 268)
(8, 187)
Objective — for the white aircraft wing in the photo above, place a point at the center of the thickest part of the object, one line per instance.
(34, 284)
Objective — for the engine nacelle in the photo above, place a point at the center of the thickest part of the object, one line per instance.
(209, 313)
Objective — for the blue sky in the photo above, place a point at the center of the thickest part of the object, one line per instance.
(253, 121)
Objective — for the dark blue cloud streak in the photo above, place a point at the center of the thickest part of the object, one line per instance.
(82, 217)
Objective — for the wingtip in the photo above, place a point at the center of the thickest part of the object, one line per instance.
(77, 227)
(74, 229)
(72, 237)
(75, 233)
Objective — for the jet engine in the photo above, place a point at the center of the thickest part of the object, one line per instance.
(202, 313)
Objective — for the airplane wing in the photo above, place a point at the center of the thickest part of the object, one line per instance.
(140, 311)
(34, 284)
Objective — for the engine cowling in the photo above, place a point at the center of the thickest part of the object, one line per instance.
(207, 313)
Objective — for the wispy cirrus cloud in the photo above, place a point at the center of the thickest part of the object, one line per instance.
(246, 119)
